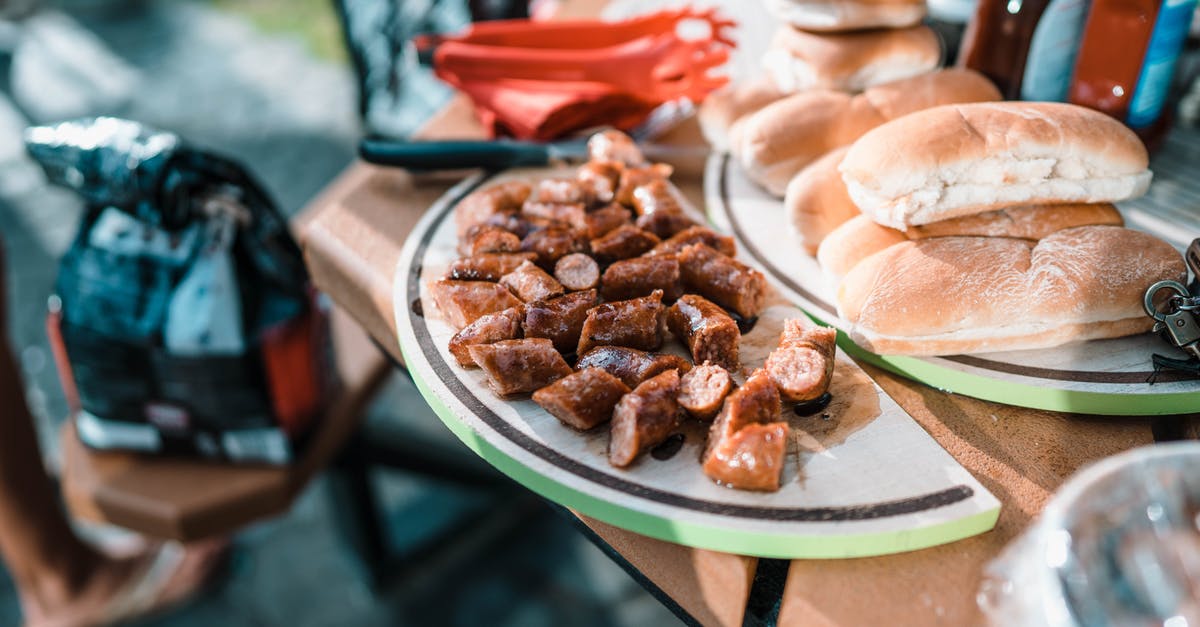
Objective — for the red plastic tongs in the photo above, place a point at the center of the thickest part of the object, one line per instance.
(540, 80)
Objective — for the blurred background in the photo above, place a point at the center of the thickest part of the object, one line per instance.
(270, 83)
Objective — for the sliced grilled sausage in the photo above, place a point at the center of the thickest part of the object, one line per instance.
(709, 333)
(659, 211)
(634, 177)
(636, 323)
(664, 224)
(572, 215)
(703, 389)
(604, 177)
(631, 365)
(723, 280)
(644, 418)
(583, 399)
(487, 266)
(606, 219)
(802, 365)
(745, 445)
(696, 235)
(559, 319)
(640, 276)
(613, 145)
(553, 243)
(487, 238)
(529, 283)
(519, 366)
(479, 206)
(623, 242)
(463, 302)
(577, 271)
(488, 328)
(564, 190)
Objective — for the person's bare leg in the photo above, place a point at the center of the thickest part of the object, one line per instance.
(60, 579)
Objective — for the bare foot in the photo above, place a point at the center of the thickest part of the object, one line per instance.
(122, 589)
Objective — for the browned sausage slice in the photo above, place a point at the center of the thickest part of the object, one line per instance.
(604, 177)
(757, 401)
(577, 271)
(750, 459)
(479, 206)
(802, 365)
(564, 190)
(569, 214)
(560, 319)
(529, 283)
(697, 235)
(723, 280)
(583, 399)
(519, 366)
(635, 323)
(463, 302)
(623, 242)
(633, 178)
(644, 418)
(487, 238)
(664, 224)
(640, 276)
(488, 266)
(606, 219)
(703, 389)
(489, 328)
(553, 243)
(613, 145)
(631, 365)
(709, 333)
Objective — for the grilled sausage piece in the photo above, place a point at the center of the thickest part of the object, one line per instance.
(635, 323)
(582, 399)
(577, 271)
(745, 447)
(605, 219)
(613, 145)
(520, 225)
(489, 328)
(519, 366)
(564, 190)
(531, 283)
(640, 276)
(709, 333)
(623, 242)
(487, 266)
(463, 302)
(631, 365)
(479, 206)
(604, 177)
(702, 390)
(658, 210)
(696, 235)
(644, 418)
(664, 224)
(560, 319)
(553, 243)
(802, 366)
(633, 178)
(723, 280)
(568, 214)
(487, 238)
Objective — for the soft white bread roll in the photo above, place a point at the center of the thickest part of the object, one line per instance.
(799, 60)
(962, 159)
(951, 295)
(860, 237)
(776, 142)
(843, 15)
(817, 200)
(724, 106)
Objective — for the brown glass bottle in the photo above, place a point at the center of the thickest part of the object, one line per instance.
(997, 40)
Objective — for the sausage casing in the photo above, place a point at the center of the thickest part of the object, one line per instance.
(577, 271)
(709, 333)
(479, 206)
(802, 365)
(529, 283)
(487, 266)
(644, 418)
(696, 235)
(630, 365)
(553, 243)
(488, 328)
(623, 242)
(519, 366)
(723, 280)
(640, 276)
(583, 399)
(560, 319)
(703, 389)
(636, 323)
(463, 302)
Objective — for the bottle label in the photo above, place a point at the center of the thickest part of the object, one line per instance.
(1052, 51)
(1159, 65)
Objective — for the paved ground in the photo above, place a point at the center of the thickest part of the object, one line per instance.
(267, 100)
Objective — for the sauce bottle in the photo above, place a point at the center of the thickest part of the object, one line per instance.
(1127, 60)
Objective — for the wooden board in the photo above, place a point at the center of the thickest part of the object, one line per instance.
(1110, 377)
(868, 481)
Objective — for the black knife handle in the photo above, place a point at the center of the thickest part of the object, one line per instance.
(453, 155)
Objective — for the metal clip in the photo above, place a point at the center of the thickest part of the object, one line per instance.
(1178, 320)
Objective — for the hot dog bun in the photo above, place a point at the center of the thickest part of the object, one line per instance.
(799, 60)
(952, 295)
(962, 159)
(842, 15)
(776, 142)
(724, 106)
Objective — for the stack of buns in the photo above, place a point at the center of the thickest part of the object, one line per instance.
(988, 227)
